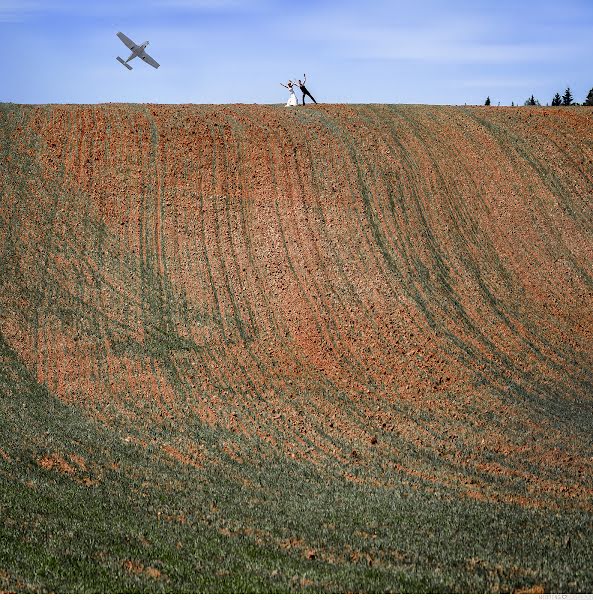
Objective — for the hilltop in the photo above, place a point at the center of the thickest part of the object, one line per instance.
(334, 348)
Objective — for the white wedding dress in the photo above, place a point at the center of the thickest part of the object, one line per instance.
(292, 99)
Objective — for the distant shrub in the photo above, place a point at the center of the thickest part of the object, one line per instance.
(487, 103)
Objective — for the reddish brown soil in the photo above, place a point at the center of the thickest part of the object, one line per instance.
(375, 289)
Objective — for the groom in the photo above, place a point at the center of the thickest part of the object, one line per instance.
(305, 91)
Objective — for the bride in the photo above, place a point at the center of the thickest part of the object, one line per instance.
(292, 99)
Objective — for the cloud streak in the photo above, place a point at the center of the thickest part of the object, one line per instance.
(464, 41)
(21, 10)
(16, 11)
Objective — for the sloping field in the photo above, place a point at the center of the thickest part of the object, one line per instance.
(338, 348)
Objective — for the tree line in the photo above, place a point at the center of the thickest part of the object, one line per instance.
(566, 100)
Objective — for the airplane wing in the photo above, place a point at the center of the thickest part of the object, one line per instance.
(126, 40)
(148, 59)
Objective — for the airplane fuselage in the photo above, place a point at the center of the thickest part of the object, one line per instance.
(137, 50)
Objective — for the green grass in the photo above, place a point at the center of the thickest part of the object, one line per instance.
(62, 536)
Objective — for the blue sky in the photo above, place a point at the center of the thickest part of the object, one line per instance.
(227, 51)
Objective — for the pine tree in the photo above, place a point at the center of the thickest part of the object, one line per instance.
(487, 103)
(513, 103)
(557, 100)
(567, 98)
(589, 100)
(531, 101)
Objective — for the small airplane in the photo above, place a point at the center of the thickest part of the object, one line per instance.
(136, 51)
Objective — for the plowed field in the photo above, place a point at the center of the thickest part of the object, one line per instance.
(329, 349)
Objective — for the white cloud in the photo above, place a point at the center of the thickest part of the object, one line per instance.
(429, 32)
(443, 43)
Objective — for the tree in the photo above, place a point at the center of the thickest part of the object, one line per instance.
(487, 103)
(531, 101)
(589, 100)
(513, 103)
(557, 100)
(567, 98)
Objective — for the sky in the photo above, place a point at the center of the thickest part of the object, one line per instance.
(354, 51)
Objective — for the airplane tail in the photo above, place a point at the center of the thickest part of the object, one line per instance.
(124, 63)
